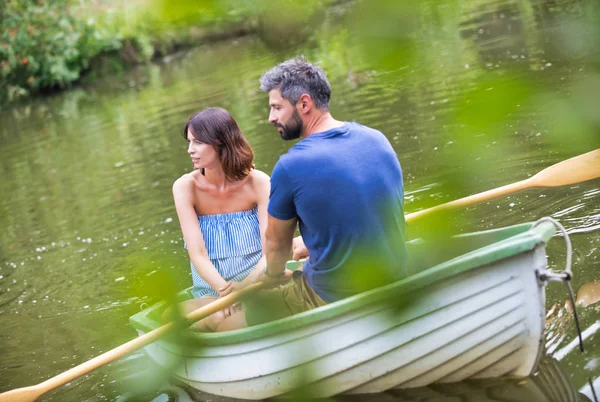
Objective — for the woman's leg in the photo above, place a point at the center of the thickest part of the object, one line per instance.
(207, 324)
(237, 320)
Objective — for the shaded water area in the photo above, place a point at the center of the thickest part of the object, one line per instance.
(89, 231)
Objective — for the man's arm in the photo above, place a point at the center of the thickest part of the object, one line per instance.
(279, 238)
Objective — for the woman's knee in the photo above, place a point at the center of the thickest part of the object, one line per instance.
(170, 313)
(212, 322)
(237, 320)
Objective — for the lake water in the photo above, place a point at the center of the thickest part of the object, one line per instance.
(89, 231)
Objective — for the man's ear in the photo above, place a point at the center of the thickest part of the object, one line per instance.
(305, 103)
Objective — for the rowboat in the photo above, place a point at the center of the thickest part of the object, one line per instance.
(473, 307)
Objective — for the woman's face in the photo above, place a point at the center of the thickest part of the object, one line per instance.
(203, 155)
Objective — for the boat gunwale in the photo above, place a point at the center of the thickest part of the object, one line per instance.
(531, 237)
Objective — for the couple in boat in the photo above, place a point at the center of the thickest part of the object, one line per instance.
(341, 183)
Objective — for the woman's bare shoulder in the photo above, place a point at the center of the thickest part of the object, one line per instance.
(260, 183)
(185, 183)
(259, 177)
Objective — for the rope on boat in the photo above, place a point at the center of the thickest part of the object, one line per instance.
(592, 388)
(564, 276)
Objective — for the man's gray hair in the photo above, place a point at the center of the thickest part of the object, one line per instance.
(296, 77)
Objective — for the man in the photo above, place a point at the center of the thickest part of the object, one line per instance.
(342, 183)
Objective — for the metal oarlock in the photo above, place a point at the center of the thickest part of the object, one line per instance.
(564, 276)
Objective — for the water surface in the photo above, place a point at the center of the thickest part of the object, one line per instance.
(89, 231)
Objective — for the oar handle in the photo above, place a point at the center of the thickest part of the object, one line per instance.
(222, 302)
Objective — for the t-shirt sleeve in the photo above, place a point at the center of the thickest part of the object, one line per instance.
(281, 199)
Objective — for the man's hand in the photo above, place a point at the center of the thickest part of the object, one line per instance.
(299, 250)
(271, 282)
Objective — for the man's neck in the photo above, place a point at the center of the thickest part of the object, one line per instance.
(320, 123)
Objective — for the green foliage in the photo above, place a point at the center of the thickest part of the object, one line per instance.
(177, 12)
(45, 47)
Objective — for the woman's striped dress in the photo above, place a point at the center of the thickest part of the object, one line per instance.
(233, 244)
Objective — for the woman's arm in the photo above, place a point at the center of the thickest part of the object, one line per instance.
(262, 187)
(188, 220)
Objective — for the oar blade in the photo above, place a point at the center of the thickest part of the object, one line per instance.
(572, 171)
(27, 394)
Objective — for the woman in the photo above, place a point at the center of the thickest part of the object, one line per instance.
(222, 209)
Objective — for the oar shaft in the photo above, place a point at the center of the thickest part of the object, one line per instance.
(145, 339)
(106, 357)
(471, 200)
(34, 392)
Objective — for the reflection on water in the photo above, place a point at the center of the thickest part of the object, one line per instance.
(549, 384)
(560, 325)
(89, 231)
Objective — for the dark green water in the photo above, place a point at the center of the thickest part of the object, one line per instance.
(89, 231)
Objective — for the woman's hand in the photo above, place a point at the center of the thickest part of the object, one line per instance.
(299, 250)
(230, 288)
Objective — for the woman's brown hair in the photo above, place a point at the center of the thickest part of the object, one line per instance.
(216, 127)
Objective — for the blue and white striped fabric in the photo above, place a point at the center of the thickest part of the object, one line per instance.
(233, 244)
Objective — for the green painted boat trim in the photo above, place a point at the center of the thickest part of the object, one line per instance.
(486, 247)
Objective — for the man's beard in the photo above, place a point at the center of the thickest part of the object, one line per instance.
(293, 129)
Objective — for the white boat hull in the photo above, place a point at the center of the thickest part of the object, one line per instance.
(482, 323)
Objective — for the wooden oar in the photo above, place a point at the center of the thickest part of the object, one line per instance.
(571, 171)
(33, 392)
(575, 170)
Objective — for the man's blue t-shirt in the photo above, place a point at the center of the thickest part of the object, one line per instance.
(345, 187)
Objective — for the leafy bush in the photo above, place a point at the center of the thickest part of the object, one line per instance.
(44, 47)
(49, 44)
